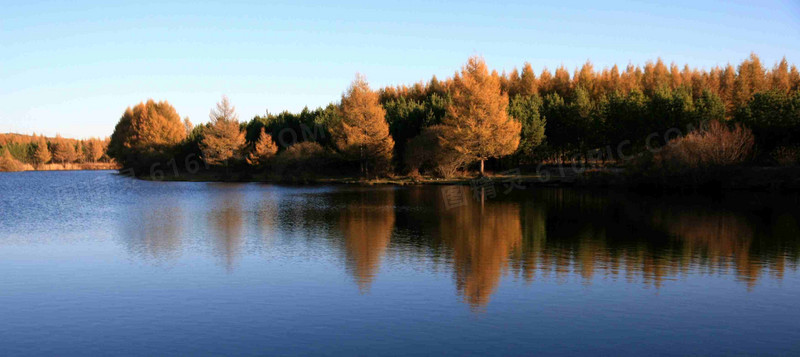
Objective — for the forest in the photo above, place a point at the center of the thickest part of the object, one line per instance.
(20, 152)
(480, 121)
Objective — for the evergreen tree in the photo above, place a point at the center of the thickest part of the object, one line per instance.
(709, 107)
(527, 110)
(774, 118)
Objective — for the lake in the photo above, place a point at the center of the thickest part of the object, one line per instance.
(92, 263)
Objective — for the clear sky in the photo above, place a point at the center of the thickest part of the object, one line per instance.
(73, 67)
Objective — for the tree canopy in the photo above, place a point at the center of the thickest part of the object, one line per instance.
(441, 126)
(223, 140)
(362, 132)
(146, 131)
(477, 122)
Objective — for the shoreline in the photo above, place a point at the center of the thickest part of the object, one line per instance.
(97, 166)
(770, 179)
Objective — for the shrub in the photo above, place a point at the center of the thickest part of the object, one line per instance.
(301, 161)
(700, 158)
(718, 146)
(786, 155)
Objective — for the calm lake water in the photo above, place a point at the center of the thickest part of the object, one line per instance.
(93, 263)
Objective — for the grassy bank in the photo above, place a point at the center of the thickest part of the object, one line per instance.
(62, 167)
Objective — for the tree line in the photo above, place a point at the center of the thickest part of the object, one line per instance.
(36, 151)
(478, 117)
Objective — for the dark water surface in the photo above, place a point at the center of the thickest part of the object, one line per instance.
(96, 264)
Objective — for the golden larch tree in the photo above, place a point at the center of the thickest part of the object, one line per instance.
(363, 132)
(477, 122)
(545, 81)
(187, 124)
(794, 78)
(79, 152)
(780, 76)
(586, 77)
(63, 151)
(509, 82)
(40, 155)
(224, 140)
(628, 80)
(263, 149)
(94, 150)
(561, 82)
(727, 87)
(751, 79)
(148, 130)
(527, 84)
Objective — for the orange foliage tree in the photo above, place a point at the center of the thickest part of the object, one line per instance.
(477, 122)
(63, 151)
(224, 140)
(145, 132)
(262, 150)
(363, 133)
(94, 149)
(9, 163)
(39, 153)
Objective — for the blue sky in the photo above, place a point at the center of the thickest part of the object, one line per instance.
(73, 67)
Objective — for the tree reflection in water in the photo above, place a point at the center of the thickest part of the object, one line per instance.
(366, 221)
(531, 235)
(225, 218)
(481, 237)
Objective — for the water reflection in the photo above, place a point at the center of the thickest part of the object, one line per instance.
(654, 239)
(366, 221)
(154, 230)
(225, 219)
(482, 238)
(266, 218)
(721, 240)
(530, 235)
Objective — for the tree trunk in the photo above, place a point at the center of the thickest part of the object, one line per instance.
(363, 162)
(481, 167)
